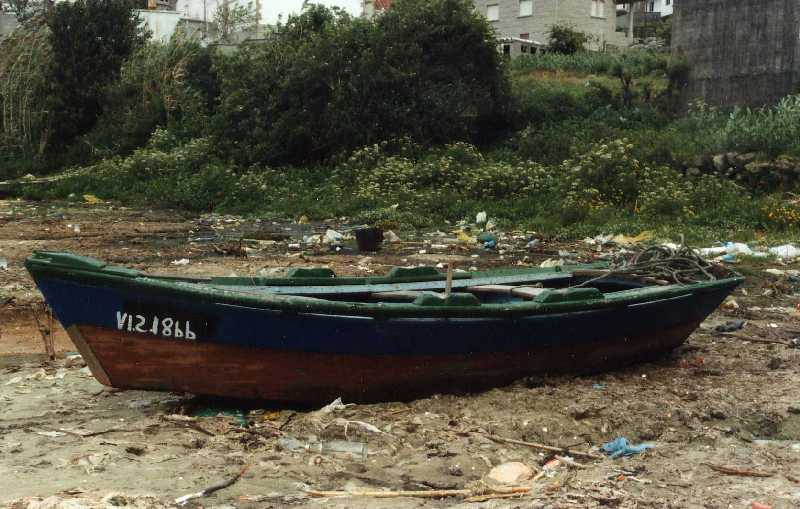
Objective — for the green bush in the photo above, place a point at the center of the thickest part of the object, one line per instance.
(566, 40)
(638, 62)
(160, 85)
(90, 40)
(326, 83)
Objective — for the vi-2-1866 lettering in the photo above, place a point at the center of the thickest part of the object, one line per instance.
(163, 326)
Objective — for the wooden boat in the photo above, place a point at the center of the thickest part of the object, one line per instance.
(312, 337)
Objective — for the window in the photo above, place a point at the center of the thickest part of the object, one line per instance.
(523, 48)
(493, 12)
(598, 8)
(525, 8)
(669, 2)
(369, 8)
(651, 7)
(525, 36)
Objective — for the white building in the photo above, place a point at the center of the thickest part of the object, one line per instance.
(663, 7)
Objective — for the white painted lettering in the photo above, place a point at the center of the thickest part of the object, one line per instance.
(189, 333)
(121, 317)
(140, 321)
(166, 327)
(154, 328)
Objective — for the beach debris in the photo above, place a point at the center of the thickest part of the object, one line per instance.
(621, 447)
(333, 406)
(3, 264)
(743, 472)
(730, 326)
(354, 450)
(182, 261)
(759, 505)
(488, 240)
(544, 447)
(472, 495)
(332, 238)
(91, 199)
(211, 489)
(391, 237)
(730, 304)
(785, 251)
(513, 472)
(481, 218)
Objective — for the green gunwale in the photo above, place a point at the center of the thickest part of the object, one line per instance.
(94, 273)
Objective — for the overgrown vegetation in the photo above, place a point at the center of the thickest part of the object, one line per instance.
(412, 118)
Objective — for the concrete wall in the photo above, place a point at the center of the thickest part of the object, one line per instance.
(161, 23)
(8, 23)
(741, 52)
(546, 13)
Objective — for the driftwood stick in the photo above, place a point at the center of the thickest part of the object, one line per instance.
(211, 489)
(392, 494)
(744, 472)
(544, 447)
(518, 492)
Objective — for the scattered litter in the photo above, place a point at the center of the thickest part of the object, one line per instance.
(91, 199)
(481, 218)
(620, 447)
(510, 473)
(598, 387)
(3, 264)
(532, 244)
(488, 240)
(211, 489)
(391, 237)
(743, 472)
(730, 304)
(356, 450)
(730, 326)
(332, 238)
(333, 406)
(785, 251)
(464, 237)
(550, 263)
(74, 360)
(51, 434)
(759, 505)
(182, 261)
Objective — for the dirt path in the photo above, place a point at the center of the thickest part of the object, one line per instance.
(722, 399)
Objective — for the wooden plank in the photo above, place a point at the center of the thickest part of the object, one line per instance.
(520, 279)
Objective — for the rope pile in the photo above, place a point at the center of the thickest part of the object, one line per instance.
(663, 265)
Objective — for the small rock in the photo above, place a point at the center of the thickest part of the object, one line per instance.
(391, 237)
(717, 414)
(793, 409)
(775, 363)
(455, 470)
(510, 473)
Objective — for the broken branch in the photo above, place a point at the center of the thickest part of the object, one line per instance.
(570, 452)
(738, 471)
(491, 493)
(211, 489)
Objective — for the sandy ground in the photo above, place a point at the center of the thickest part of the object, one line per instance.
(723, 399)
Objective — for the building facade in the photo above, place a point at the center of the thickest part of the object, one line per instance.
(740, 52)
(532, 19)
(662, 7)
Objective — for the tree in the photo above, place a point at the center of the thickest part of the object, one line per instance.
(233, 18)
(25, 9)
(90, 40)
(326, 82)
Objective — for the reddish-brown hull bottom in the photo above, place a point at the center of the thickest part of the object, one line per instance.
(132, 361)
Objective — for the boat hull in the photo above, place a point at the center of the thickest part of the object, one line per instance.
(126, 360)
(137, 332)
